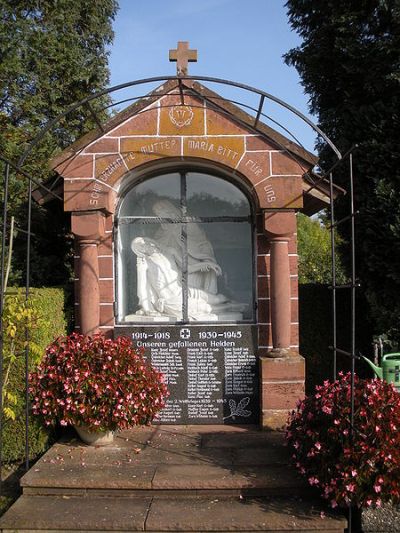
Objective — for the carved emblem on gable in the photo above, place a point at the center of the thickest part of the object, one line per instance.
(181, 115)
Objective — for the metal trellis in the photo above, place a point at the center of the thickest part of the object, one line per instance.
(263, 97)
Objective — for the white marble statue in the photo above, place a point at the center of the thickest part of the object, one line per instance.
(159, 287)
(203, 268)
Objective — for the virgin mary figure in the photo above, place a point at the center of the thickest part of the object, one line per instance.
(203, 268)
(159, 287)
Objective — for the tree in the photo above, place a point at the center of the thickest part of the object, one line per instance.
(52, 53)
(314, 246)
(349, 63)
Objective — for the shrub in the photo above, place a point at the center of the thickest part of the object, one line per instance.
(359, 467)
(314, 247)
(315, 323)
(46, 309)
(101, 383)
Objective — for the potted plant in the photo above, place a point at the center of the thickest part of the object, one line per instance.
(355, 466)
(97, 385)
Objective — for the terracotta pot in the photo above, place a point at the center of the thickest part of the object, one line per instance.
(94, 437)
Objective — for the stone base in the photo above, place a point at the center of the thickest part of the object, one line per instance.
(281, 386)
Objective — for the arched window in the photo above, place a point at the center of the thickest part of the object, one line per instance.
(185, 251)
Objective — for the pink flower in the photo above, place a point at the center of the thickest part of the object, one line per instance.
(80, 378)
(347, 470)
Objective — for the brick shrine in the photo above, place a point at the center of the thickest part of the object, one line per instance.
(183, 124)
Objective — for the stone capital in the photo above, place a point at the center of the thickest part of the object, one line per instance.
(88, 226)
(279, 225)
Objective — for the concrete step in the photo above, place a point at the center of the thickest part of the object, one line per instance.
(273, 480)
(169, 479)
(157, 514)
(168, 461)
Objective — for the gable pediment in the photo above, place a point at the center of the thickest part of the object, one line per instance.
(183, 122)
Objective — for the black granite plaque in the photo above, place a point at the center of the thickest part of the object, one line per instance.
(211, 371)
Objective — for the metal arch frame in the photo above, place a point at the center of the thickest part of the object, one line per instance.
(18, 168)
(157, 79)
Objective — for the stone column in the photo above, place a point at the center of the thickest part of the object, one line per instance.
(88, 228)
(282, 372)
(279, 226)
(280, 295)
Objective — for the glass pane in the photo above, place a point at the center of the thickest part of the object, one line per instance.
(220, 272)
(149, 273)
(209, 196)
(140, 200)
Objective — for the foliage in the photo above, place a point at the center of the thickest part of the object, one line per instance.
(52, 54)
(97, 382)
(46, 311)
(316, 332)
(19, 318)
(349, 62)
(314, 247)
(361, 471)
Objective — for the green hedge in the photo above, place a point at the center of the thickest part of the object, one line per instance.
(49, 302)
(315, 318)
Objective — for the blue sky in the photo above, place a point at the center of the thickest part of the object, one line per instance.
(239, 40)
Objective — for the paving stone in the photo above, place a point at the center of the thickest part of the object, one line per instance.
(191, 477)
(261, 456)
(93, 477)
(275, 479)
(177, 440)
(158, 456)
(242, 440)
(194, 477)
(76, 514)
(237, 515)
(220, 428)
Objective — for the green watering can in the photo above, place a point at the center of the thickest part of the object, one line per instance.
(389, 369)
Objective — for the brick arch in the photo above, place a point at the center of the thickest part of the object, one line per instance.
(163, 166)
(156, 135)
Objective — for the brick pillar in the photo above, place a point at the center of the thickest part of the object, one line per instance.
(88, 228)
(280, 295)
(279, 226)
(282, 372)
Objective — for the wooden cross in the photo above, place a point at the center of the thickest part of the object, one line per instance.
(182, 55)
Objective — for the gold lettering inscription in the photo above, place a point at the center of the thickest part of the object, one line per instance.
(270, 193)
(106, 175)
(112, 167)
(205, 146)
(158, 147)
(226, 152)
(254, 167)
